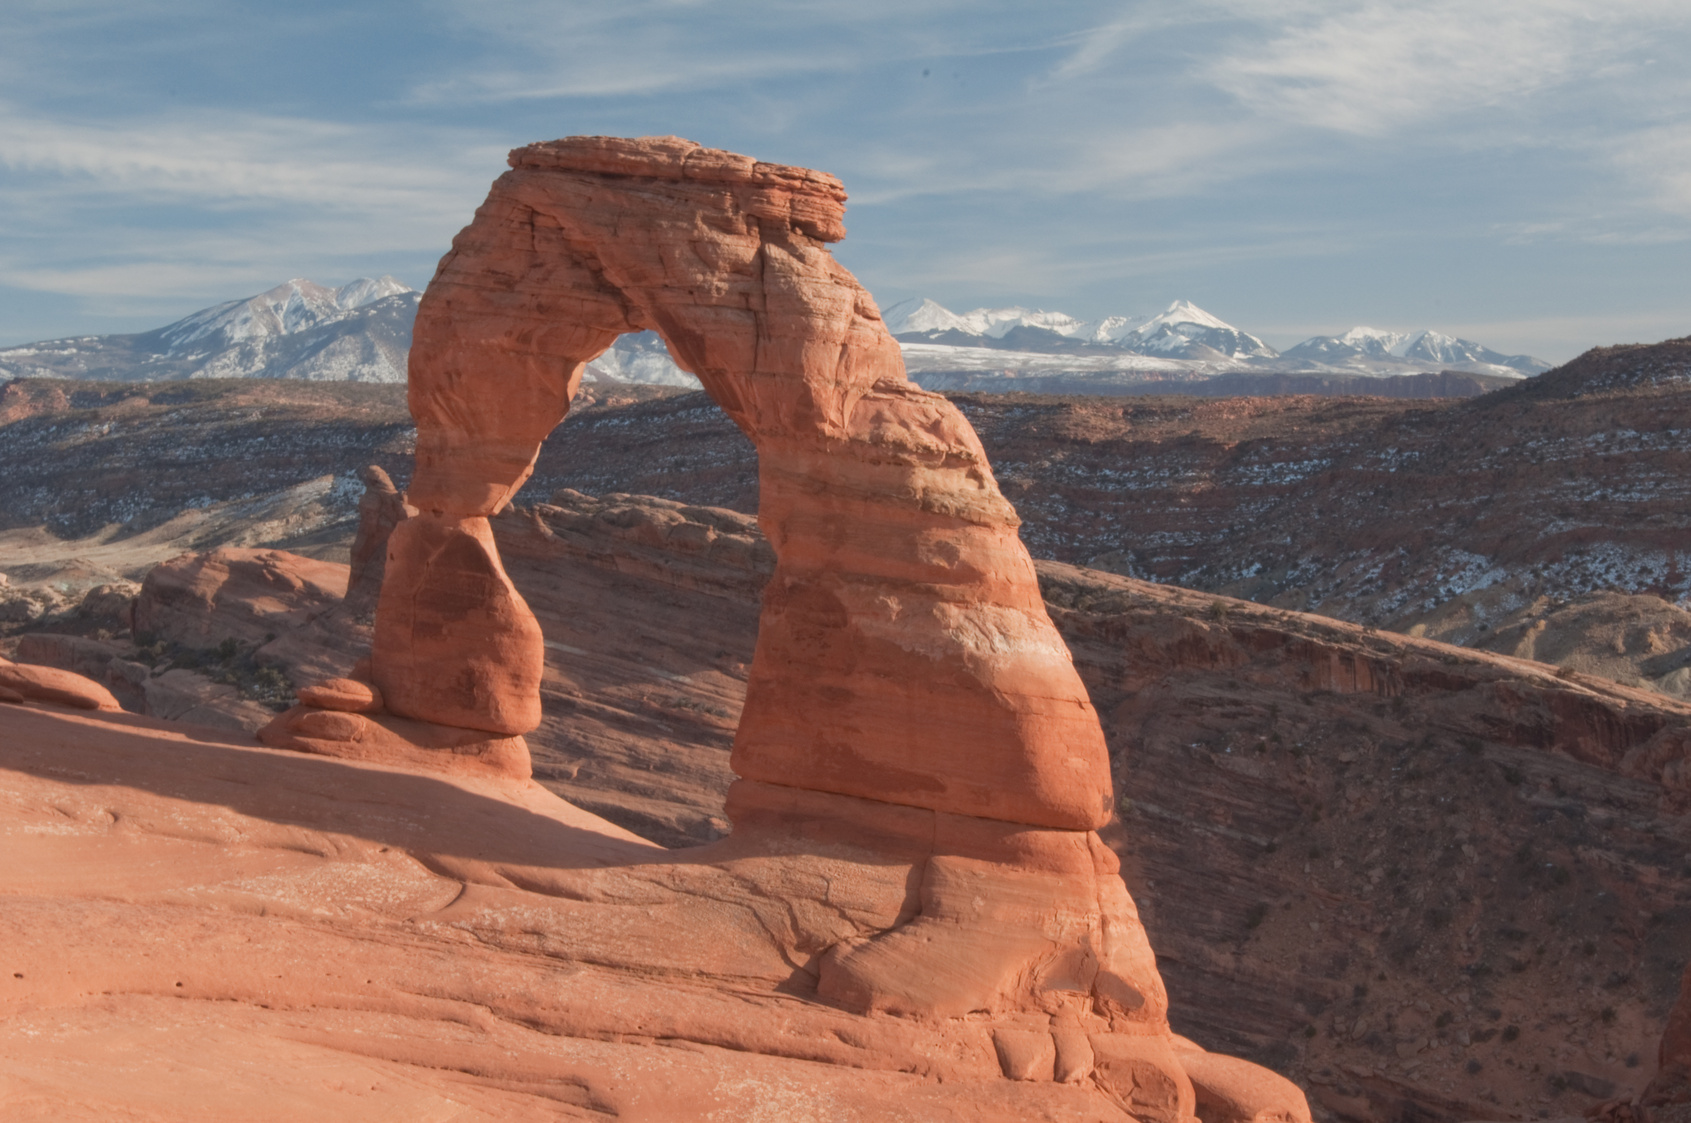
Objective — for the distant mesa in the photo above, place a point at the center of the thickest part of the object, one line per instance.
(359, 332)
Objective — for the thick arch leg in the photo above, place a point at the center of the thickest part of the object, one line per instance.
(455, 644)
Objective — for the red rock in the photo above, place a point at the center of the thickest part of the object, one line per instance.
(250, 596)
(1143, 1077)
(344, 694)
(904, 653)
(454, 642)
(343, 940)
(909, 697)
(381, 508)
(1228, 1090)
(7, 694)
(385, 739)
(51, 684)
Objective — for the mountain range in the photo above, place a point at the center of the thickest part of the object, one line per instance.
(945, 350)
(361, 332)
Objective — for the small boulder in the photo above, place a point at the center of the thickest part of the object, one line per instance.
(60, 687)
(344, 694)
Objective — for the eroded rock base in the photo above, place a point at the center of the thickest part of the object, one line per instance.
(388, 926)
(404, 742)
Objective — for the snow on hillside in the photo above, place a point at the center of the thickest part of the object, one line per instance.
(928, 316)
(935, 339)
(640, 356)
(359, 332)
(1423, 346)
(1182, 330)
(289, 308)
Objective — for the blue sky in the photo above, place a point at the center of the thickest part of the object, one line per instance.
(1517, 172)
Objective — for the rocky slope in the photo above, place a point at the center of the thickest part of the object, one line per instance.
(1453, 516)
(1465, 520)
(1306, 806)
(1419, 878)
(100, 481)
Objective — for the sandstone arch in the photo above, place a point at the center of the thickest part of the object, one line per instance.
(922, 774)
(904, 653)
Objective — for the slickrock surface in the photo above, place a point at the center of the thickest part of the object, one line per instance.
(1509, 878)
(192, 927)
(34, 682)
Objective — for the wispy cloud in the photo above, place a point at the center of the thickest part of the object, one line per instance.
(156, 209)
(1373, 67)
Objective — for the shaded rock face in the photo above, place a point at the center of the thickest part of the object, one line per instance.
(903, 653)
(380, 510)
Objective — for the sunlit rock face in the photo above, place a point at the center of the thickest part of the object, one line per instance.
(909, 703)
(904, 654)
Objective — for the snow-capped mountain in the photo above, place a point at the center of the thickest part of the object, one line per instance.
(1017, 348)
(927, 317)
(1182, 331)
(290, 308)
(359, 332)
(1186, 331)
(1424, 346)
(640, 356)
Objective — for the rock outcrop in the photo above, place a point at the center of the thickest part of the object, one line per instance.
(903, 612)
(31, 682)
(910, 704)
(249, 596)
(380, 510)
